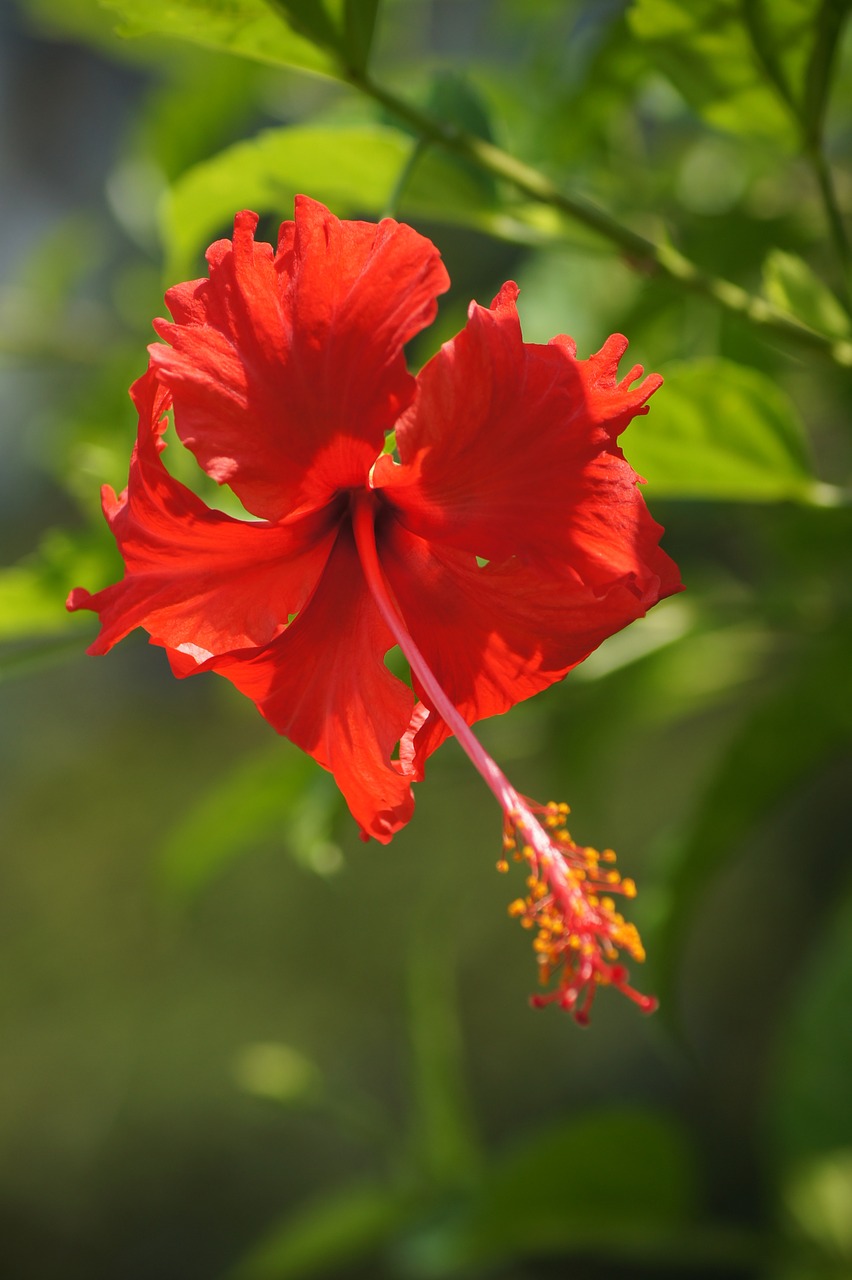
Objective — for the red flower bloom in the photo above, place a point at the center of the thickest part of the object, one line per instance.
(505, 545)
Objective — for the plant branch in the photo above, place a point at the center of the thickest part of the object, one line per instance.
(808, 116)
(834, 217)
(830, 23)
(642, 253)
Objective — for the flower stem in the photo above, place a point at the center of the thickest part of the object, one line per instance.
(642, 253)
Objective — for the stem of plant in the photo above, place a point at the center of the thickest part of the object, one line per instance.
(822, 172)
(642, 253)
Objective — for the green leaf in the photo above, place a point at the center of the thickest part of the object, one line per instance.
(454, 100)
(181, 122)
(742, 64)
(338, 1229)
(359, 28)
(817, 1198)
(312, 19)
(782, 741)
(719, 430)
(29, 606)
(809, 1107)
(36, 630)
(614, 1182)
(84, 21)
(278, 793)
(789, 283)
(829, 28)
(33, 592)
(444, 1144)
(248, 28)
(810, 1122)
(457, 103)
(353, 170)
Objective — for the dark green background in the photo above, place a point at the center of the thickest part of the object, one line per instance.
(232, 1036)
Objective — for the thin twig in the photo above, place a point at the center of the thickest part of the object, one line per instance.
(642, 253)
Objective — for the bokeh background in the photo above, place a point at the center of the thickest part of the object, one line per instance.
(236, 1041)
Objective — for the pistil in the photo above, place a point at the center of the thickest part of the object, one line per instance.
(580, 933)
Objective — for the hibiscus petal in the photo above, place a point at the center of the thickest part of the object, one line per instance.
(510, 448)
(497, 634)
(287, 370)
(197, 580)
(324, 685)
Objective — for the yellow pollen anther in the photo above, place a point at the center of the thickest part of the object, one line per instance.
(578, 935)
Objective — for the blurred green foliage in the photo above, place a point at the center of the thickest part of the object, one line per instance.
(237, 1042)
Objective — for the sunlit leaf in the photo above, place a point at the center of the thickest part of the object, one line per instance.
(743, 66)
(792, 285)
(36, 630)
(720, 430)
(340, 1228)
(28, 604)
(83, 20)
(278, 793)
(33, 592)
(249, 28)
(353, 170)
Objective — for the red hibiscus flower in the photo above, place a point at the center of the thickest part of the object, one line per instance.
(506, 543)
